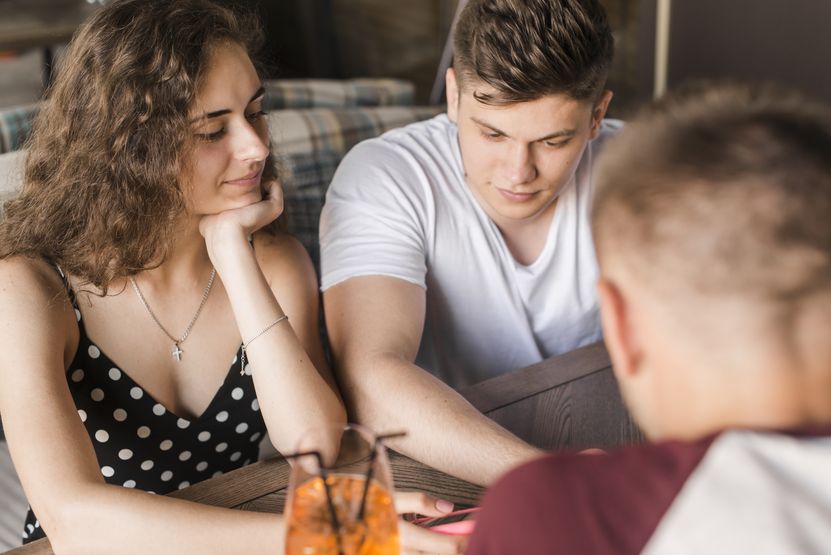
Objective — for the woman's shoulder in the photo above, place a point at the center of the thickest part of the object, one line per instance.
(29, 276)
(33, 296)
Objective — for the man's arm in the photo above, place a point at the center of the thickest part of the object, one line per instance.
(375, 325)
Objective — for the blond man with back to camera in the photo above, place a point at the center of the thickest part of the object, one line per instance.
(712, 231)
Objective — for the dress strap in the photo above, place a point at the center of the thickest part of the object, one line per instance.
(69, 291)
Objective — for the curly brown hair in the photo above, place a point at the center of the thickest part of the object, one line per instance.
(101, 194)
(527, 49)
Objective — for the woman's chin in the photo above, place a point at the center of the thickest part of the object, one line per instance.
(242, 201)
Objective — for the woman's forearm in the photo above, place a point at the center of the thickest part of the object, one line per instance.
(293, 394)
(139, 522)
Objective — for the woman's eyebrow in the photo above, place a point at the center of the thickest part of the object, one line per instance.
(260, 92)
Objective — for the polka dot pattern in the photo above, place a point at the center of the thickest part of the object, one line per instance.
(141, 444)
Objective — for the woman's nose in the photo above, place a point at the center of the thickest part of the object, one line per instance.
(252, 142)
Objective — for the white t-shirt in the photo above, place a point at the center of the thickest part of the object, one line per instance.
(399, 206)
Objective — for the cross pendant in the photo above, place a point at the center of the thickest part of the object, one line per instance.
(177, 352)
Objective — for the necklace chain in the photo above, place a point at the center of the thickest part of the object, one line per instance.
(177, 351)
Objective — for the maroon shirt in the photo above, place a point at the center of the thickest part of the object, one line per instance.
(590, 504)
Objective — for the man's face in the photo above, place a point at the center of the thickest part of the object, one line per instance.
(518, 157)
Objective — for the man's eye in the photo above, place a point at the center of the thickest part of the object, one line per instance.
(490, 135)
(211, 137)
(557, 144)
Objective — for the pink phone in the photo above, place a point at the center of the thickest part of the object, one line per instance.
(458, 528)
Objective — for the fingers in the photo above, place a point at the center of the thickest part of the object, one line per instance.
(247, 219)
(421, 503)
(415, 539)
(273, 194)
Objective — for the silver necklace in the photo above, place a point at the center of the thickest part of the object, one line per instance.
(177, 351)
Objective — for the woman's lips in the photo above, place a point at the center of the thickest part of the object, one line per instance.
(246, 181)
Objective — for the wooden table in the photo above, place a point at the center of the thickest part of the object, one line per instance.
(262, 486)
(566, 402)
(570, 401)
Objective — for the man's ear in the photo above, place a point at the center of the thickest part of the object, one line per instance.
(599, 112)
(618, 334)
(452, 90)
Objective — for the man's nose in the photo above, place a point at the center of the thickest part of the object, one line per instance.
(520, 165)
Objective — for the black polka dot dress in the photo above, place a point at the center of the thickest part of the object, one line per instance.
(140, 444)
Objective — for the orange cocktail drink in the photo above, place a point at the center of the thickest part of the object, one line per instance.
(311, 530)
(340, 494)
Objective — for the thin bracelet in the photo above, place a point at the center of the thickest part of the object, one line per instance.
(250, 341)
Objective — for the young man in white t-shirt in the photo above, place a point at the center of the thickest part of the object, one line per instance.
(459, 248)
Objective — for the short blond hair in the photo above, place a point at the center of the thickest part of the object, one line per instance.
(722, 190)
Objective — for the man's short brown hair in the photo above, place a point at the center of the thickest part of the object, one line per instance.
(721, 191)
(527, 49)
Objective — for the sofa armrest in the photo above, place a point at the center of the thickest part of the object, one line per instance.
(11, 175)
(15, 126)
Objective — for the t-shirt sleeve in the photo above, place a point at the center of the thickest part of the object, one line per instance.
(374, 218)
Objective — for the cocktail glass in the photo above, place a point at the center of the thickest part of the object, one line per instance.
(341, 503)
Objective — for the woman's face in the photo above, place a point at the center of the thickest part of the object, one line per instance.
(230, 135)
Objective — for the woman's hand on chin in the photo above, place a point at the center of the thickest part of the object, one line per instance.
(228, 226)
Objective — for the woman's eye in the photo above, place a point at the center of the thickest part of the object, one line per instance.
(211, 137)
(256, 115)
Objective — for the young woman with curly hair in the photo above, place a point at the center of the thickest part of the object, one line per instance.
(134, 264)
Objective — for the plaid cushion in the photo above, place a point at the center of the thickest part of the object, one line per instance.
(334, 93)
(15, 125)
(310, 144)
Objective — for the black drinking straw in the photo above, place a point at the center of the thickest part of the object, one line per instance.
(372, 455)
(333, 515)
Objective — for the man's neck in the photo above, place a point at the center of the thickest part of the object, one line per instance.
(526, 239)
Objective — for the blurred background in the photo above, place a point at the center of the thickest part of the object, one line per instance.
(780, 40)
